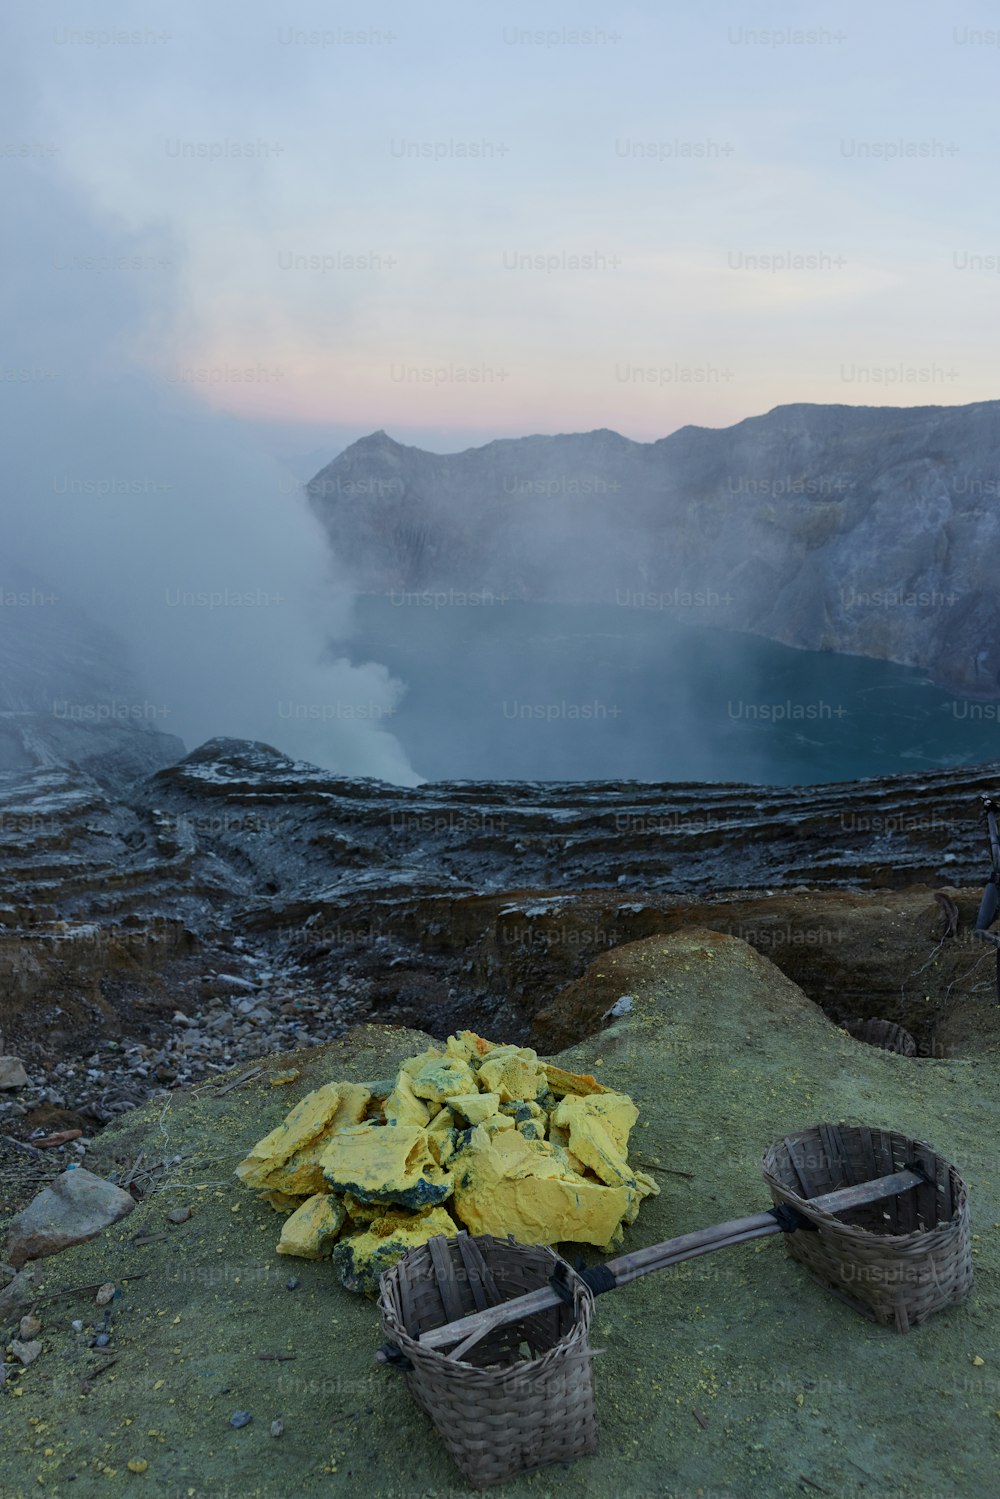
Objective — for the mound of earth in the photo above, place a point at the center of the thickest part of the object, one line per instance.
(727, 1376)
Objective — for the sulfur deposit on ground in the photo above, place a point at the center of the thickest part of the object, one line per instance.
(512, 1144)
(728, 1376)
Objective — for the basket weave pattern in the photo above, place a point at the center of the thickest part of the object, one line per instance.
(895, 1261)
(499, 1410)
(884, 1034)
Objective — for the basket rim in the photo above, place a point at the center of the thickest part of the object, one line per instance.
(960, 1191)
(583, 1306)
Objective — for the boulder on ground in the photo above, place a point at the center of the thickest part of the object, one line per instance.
(19, 1292)
(12, 1073)
(76, 1206)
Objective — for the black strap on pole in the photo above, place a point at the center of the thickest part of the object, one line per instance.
(789, 1219)
(598, 1277)
(392, 1357)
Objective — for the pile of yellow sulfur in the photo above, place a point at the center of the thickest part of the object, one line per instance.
(512, 1145)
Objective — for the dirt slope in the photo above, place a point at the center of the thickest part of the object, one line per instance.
(797, 1394)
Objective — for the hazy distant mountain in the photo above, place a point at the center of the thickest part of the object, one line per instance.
(67, 694)
(870, 530)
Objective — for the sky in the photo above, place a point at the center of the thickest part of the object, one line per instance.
(458, 223)
(237, 237)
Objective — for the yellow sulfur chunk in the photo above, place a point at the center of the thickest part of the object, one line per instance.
(467, 1046)
(312, 1228)
(475, 1107)
(446, 1147)
(527, 1157)
(361, 1258)
(530, 1118)
(544, 1210)
(618, 1237)
(306, 1120)
(403, 1106)
(512, 1143)
(598, 1133)
(281, 1201)
(510, 1185)
(441, 1137)
(278, 1078)
(496, 1052)
(442, 1077)
(354, 1101)
(442, 1124)
(579, 1083)
(302, 1175)
(412, 1065)
(361, 1212)
(570, 1162)
(514, 1075)
(389, 1163)
(645, 1186)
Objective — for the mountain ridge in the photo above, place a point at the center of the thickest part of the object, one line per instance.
(866, 530)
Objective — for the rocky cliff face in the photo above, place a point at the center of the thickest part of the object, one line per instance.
(867, 530)
(464, 900)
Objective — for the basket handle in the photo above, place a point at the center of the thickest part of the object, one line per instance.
(618, 1272)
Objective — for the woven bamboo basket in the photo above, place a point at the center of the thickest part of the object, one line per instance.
(896, 1261)
(883, 1033)
(524, 1395)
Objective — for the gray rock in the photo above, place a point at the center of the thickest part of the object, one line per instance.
(30, 1328)
(12, 1073)
(76, 1206)
(26, 1352)
(19, 1293)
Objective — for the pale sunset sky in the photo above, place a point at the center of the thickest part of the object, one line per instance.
(463, 222)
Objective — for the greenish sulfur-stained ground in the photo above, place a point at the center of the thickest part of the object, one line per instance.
(731, 1376)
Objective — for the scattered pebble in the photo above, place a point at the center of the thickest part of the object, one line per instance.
(240, 1418)
(277, 1427)
(102, 1340)
(26, 1353)
(106, 1293)
(77, 1326)
(120, 1075)
(179, 1215)
(137, 1465)
(292, 1283)
(30, 1327)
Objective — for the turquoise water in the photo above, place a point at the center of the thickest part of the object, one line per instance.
(574, 692)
